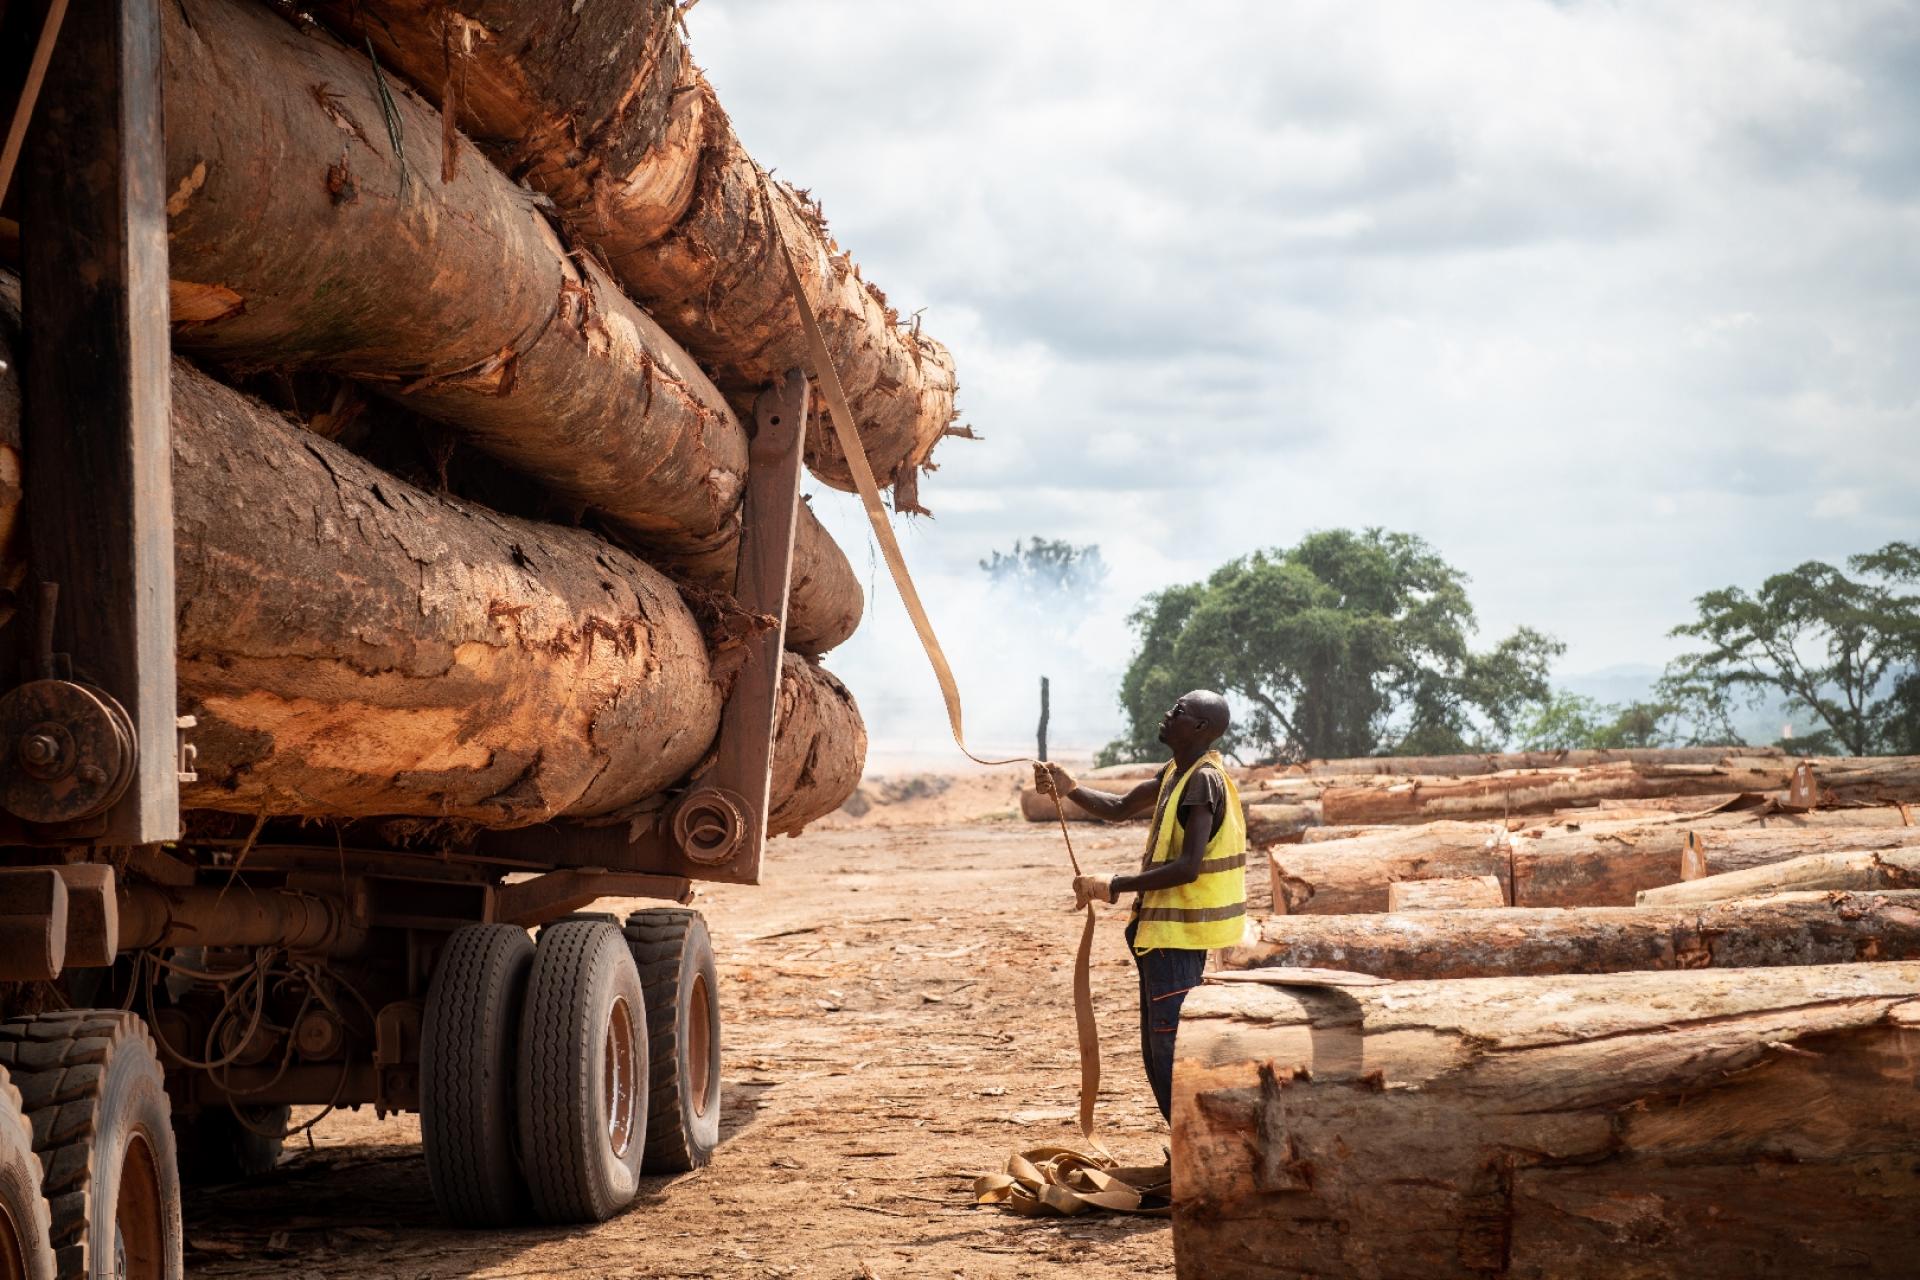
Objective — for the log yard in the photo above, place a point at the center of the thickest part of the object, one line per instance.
(524, 751)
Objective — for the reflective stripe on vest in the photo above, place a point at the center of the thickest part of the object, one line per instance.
(1211, 910)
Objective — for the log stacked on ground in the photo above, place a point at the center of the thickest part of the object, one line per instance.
(1785, 929)
(1445, 895)
(1543, 790)
(1629, 1124)
(1888, 868)
(1454, 766)
(1499, 795)
(322, 248)
(1602, 864)
(596, 104)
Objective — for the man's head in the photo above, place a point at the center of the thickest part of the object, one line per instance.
(1195, 721)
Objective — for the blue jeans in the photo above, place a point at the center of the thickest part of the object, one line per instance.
(1166, 975)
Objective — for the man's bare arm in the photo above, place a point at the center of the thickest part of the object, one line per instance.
(1184, 869)
(1104, 804)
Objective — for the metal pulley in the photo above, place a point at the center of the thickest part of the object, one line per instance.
(67, 751)
(709, 825)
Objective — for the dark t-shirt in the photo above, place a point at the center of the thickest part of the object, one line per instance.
(1205, 789)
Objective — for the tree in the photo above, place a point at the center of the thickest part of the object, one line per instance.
(1844, 648)
(1571, 722)
(1042, 567)
(1347, 644)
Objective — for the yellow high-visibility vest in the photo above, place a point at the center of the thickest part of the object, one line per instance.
(1209, 911)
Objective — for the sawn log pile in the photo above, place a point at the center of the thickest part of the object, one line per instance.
(1672, 1036)
(465, 340)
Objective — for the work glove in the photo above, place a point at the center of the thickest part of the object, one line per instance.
(1092, 889)
(1052, 780)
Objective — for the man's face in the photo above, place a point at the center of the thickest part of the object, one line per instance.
(1178, 726)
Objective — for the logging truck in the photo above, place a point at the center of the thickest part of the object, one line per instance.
(403, 551)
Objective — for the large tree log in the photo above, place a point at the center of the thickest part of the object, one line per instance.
(1851, 870)
(596, 104)
(1792, 928)
(1455, 766)
(1443, 895)
(320, 250)
(1544, 790)
(357, 647)
(821, 749)
(1605, 864)
(1717, 1123)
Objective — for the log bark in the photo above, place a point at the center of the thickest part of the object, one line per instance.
(1786, 929)
(821, 747)
(1446, 895)
(1641, 1124)
(1852, 870)
(1605, 864)
(452, 296)
(597, 105)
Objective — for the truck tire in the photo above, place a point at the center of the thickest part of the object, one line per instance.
(674, 954)
(215, 1148)
(583, 1074)
(91, 1084)
(26, 1250)
(469, 1043)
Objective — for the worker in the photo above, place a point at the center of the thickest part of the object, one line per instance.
(1192, 882)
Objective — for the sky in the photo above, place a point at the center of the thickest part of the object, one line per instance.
(1613, 302)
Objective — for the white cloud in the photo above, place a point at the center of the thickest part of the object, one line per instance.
(1604, 299)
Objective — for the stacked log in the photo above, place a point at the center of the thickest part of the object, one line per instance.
(1646, 1124)
(614, 123)
(1599, 864)
(496, 670)
(1837, 871)
(1784, 929)
(1544, 790)
(1445, 895)
(1457, 766)
(356, 646)
(322, 245)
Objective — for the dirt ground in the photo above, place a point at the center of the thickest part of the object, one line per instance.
(899, 1020)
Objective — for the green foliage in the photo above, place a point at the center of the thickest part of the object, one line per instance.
(1348, 644)
(1570, 722)
(1044, 567)
(1844, 648)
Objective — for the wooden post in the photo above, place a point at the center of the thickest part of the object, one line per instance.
(1044, 709)
(99, 491)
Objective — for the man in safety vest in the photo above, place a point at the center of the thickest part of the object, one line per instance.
(1192, 880)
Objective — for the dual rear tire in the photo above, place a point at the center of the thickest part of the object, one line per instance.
(90, 1084)
(552, 1076)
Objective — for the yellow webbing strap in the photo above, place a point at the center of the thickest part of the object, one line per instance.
(840, 413)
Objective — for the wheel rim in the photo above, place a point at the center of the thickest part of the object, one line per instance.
(13, 1259)
(139, 1235)
(700, 1045)
(620, 1079)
